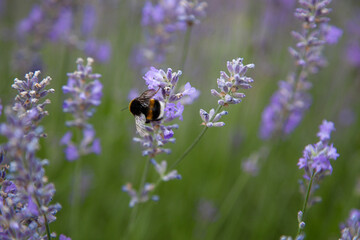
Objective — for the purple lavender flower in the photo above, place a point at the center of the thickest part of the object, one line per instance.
(85, 91)
(316, 157)
(63, 237)
(25, 207)
(351, 229)
(173, 111)
(101, 51)
(159, 132)
(191, 11)
(290, 102)
(143, 197)
(190, 94)
(161, 170)
(229, 85)
(160, 22)
(31, 89)
(58, 26)
(165, 83)
(210, 119)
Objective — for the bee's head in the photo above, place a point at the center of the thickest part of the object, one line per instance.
(135, 107)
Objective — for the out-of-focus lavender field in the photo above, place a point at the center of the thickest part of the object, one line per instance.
(72, 167)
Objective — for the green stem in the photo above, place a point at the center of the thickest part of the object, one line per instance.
(186, 48)
(47, 227)
(229, 202)
(306, 199)
(76, 198)
(135, 208)
(188, 150)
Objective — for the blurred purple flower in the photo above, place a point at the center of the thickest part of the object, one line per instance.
(191, 11)
(161, 21)
(143, 197)
(206, 211)
(63, 237)
(274, 116)
(161, 170)
(85, 91)
(325, 130)
(26, 24)
(190, 94)
(346, 117)
(152, 15)
(133, 93)
(332, 34)
(89, 19)
(290, 102)
(101, 51)
(58, 26)
(353, 53)
(62, 26)
(351, 229)
(71, 152)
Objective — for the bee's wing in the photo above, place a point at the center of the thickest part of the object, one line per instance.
(140, 125)
(148, 94)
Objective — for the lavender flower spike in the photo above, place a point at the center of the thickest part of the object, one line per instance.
(25, 209)
(191, 11)
(159, 134)
(31, 91)
(351, 229)
(229, 85)
(161, 169)
(209, 120)
(85, 92)
(316, 157)
(290, 102)
(140, 198)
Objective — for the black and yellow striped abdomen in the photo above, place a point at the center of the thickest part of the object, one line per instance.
(154, 110)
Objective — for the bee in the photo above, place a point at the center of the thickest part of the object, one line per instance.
(146, 109)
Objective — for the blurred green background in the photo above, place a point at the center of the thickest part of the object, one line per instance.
(264, 206)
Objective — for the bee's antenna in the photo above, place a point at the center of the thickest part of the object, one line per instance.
(124, 108)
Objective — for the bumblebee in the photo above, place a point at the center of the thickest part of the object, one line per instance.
(146, 109)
